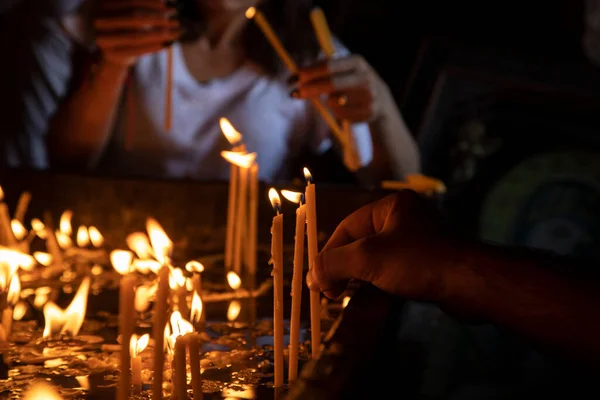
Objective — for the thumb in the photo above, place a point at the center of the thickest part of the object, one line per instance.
(335, 267)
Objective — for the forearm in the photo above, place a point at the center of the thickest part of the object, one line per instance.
(394, 148)
(83, 125)
(523, 291)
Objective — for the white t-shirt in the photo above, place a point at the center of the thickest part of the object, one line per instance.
(273, 124)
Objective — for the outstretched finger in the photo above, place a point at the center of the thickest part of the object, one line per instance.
(324, 69)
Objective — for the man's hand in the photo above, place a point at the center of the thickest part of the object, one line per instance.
(395, 243)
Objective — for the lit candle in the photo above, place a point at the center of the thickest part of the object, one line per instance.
(313, 248)
(137, 345)
(126, 318)
(179, 360)
(12, 297)
(296, 282)
(252, 220)
(277, 260)
(234, 138)
(158, 330)
(196, 269)
(194, 347)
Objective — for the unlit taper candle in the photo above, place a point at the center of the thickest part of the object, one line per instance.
(277, 260)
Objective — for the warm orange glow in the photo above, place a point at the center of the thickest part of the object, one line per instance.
(196, 313)
(39, 228)
(194, 266)
(1, 193)
(178, 327)
(44, 259)
(41, 391)
(345, 301)
(242, 160)
(84, 382)
(231, 134)
(234, 280)
(64, 241)
(71, 319)
(250, 13)
(95, 236)
(143, 294)
(83, 236)
(239, 392)
(307, 174)
(121, 261)
(176, 278)
(18, 229)
(159, 240)
(20, 310)
(146, 266)
(234, 310)
(65, 223)
(139, 243)
(274, 199)
(14, 289)
(15, 259)
(294, 197)
(138, 344)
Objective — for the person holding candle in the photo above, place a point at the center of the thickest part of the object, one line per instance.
(400, 245)
(223, 67)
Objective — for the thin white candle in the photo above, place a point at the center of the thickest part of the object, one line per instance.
(313, 248)
(277, 260)
(158, 331)
(296, 282)
(126, 318)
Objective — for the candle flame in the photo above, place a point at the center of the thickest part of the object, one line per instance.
(64, 241)
(242, 160)
(194, 266)
(18, 229)
(233, 311)
(20, 311)
(345, 301)
(138, 344)
(14, 289)
(41, 391)
(143, 294)
(145, 266)
(196, 313)
(250, 13)
(39, 228)
(231, 134)
(178, 327)
(307, 175)
(95, 236)
(294, 197)
(15, 259)
(139, 243)
(83, 236)
(44, 259)
(176, 278)
(234, 280)
(121, 261)
(275, 200)
(65, 223)
(159, 240)
(71, 319)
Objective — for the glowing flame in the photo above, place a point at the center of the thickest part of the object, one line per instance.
(84, 382)
(178, 327)
(234, 310)
(18, 229)
(239, 392)
(274, 199)
(39, 228)
(139, 243)
(234, 280)
(143, 294)
(307, 175)
(16, 259)
(95, 236)
(250, 13)
(65, 223)
(176, 278)
(20, 311)
(194, 266)
(345, 301)
(196, 313)
(71, 319)
(121, 261)
(1, 193)
(14, 290)
(294, 197)
(64, 241)
(41, 296)
(138, 344)
(161, 243)
(231, 134)
(44, 259)
(145, 266)
(83, 236)
(41, 391)
(242, 160)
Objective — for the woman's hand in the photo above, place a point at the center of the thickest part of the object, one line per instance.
(128, 29)
(351, 85)
(395, 243)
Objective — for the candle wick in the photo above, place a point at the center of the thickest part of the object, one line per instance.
(302, 199)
